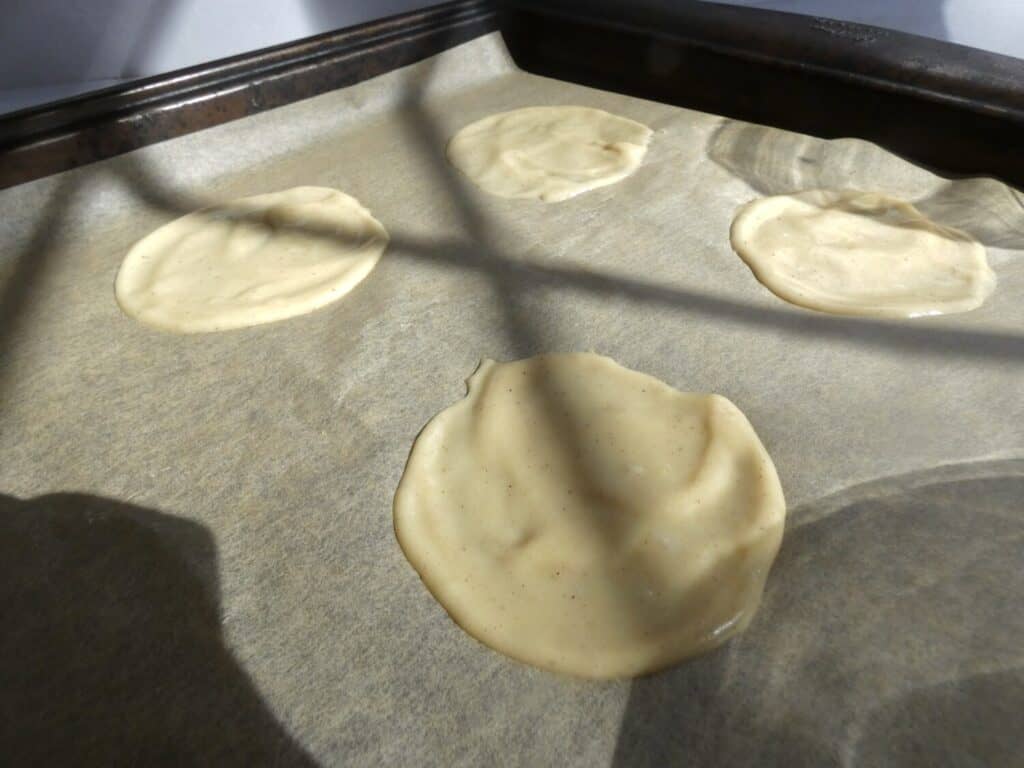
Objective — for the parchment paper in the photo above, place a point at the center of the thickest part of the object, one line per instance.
(197, 530)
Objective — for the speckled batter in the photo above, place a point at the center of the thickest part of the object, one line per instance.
(549, 153)
(860, 253)
(250, 261)
(589, 519)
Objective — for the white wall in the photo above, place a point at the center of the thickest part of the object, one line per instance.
(51, 49)
(54, 48)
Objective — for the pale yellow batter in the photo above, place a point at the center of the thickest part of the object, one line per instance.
(860, 253)
(589, 519)
(550, 153)
(250, 261)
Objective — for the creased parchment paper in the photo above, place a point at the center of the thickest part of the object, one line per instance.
(892, 624)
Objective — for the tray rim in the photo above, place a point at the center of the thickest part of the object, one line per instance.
(969, 84)
(51, 138)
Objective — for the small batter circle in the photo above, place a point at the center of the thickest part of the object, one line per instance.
(250, 261)
(860, 253)
(548, 153)
(589, 519)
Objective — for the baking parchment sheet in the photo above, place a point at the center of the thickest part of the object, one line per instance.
(196, 533)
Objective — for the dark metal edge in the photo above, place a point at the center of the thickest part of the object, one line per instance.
(956, 109)
(869, 56)
(57, 137)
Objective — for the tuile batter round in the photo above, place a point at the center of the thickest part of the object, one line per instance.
(548, 153)
(860, 253)
(589, 519)
(250, 261)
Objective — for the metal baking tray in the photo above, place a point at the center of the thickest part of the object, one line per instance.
(199, 565)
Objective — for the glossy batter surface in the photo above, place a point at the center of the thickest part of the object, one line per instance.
(250, 261)
(589, 519)
(549, 153)
(860, 253)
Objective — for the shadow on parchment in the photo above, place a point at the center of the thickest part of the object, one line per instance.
(513, 277)
(19, 290)
(889, 635)
(777, 162)
(949, 724)
(693, 712)
(112, 652)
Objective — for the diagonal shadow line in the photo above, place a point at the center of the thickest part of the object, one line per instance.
(505, 281)
(39, 523)
(952, 342)
(21, 286)
(511, 279)
(918, 337)
(509, 282)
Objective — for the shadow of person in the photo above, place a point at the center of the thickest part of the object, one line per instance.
(111, 651)
(892, 609)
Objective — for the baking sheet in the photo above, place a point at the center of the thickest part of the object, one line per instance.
(198, 528)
